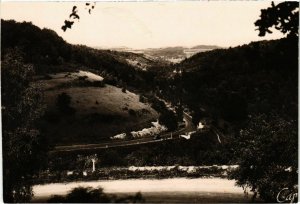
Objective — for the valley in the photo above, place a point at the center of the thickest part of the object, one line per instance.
(203, 123)
(167, 54)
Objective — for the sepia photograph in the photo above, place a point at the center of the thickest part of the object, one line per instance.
(149, 101)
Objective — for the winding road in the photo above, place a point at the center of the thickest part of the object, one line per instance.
(189, 127)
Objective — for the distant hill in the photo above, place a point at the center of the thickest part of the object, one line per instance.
(208, 47)
(168, 54)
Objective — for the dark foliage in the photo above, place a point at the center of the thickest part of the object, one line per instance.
(236, 85)
(101, 118)
(87, 195)
(179, 113)
(39, 46)
(241, 81)
(24, 148)
(234, 108)
(50, 53)
(68, 24)
(51, 117)
(284, 17)
(74, 15)
(168, 119)
(112, 158)
(132, 112)
(90, 195)
(267, 152)
(63, 103)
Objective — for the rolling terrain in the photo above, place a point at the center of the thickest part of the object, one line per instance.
(99, 112)
(175, 124)
(50, 53)
(167, 55)
(223, 87)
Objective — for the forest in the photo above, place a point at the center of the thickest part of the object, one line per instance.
(249, 93)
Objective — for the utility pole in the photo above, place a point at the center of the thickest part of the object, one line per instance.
(94, 168)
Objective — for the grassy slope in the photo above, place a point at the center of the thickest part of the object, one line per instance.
(101, 112)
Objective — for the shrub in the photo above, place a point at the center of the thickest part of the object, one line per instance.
(110, 80)
(47, 77)
(94, 195)
(132, 112)
(168, 119)
(112, 158)
(63, 102)
(82, 77)
(97, 83)
(103, 118)
(143, 99)
(51, 117)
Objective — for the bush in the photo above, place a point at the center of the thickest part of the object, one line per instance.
(51, 117)
(94, 195)
(97, 84)
(234, 108)
(143, 99)
(102, 118)
(110, 80)
(112, 158)
(168, 119)
(63, 102)
(83, 195)
(132, 112)
(47, 77)
(82, 77)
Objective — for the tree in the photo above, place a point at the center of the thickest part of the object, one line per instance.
(111, 158)
(168, 119)
(82, 195)
(284, 16)
(234, 107)
(94, 195)
(179, 112)
(267, 148)
(24, 149)
(63, 102)
(267, 154)
(197, 115)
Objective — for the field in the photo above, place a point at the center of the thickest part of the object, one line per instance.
(98, 111)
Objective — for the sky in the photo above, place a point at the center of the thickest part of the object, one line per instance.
(147, 24)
